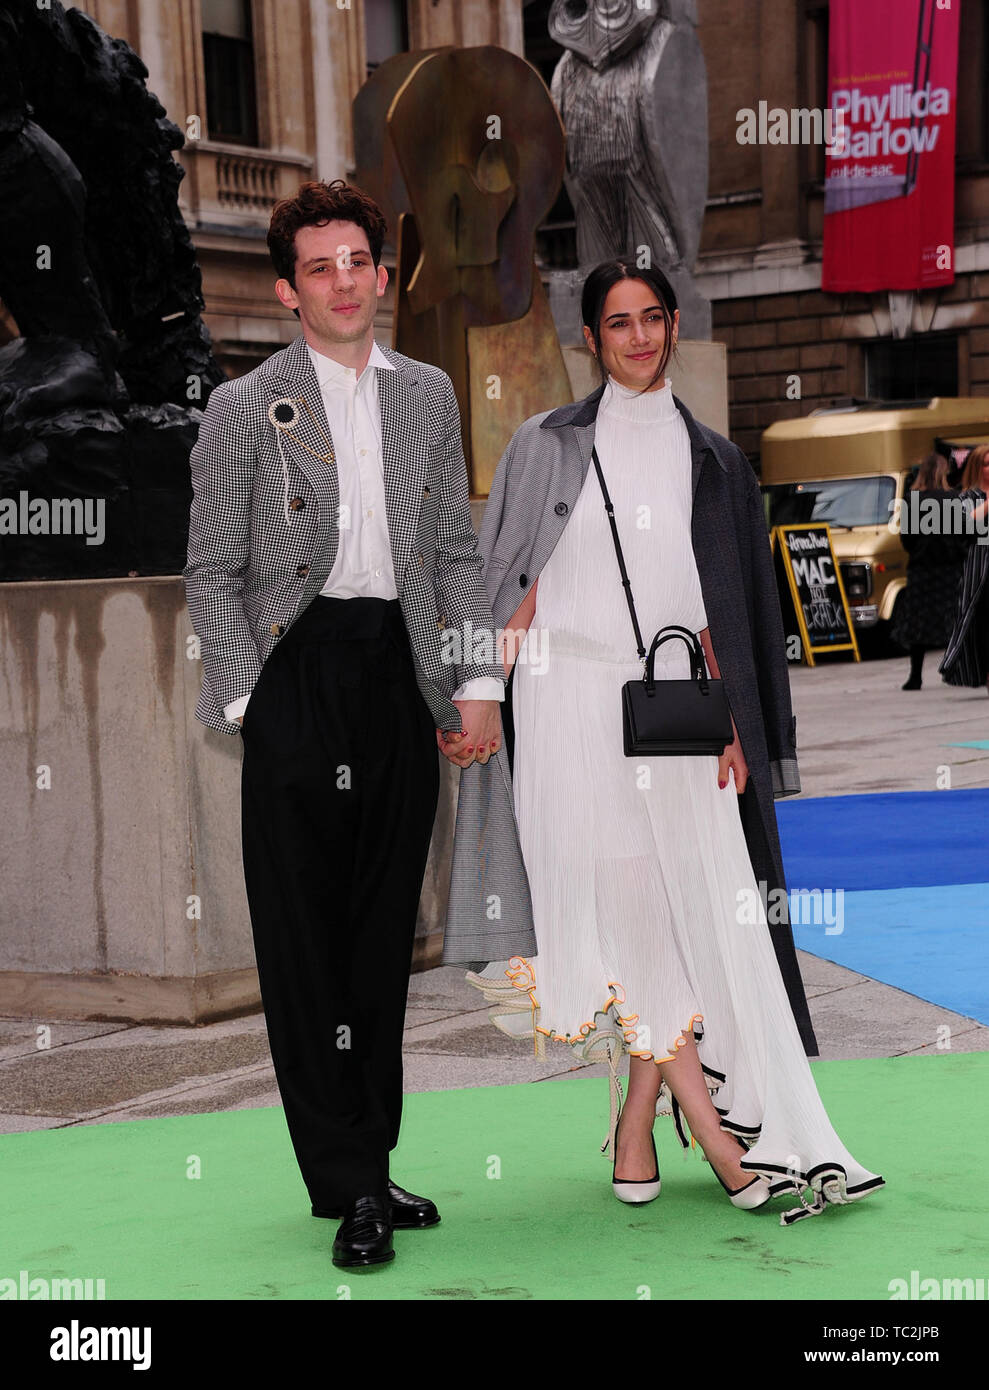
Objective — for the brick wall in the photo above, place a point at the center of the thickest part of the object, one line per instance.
(821, 339)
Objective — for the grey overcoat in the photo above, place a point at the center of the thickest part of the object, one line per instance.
(533, 493)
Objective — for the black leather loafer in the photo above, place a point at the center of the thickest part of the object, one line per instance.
(408, 1212)
(364, 1237)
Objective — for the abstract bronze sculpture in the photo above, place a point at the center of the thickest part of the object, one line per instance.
(463, 150)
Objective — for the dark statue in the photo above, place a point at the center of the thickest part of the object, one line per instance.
(102, 392)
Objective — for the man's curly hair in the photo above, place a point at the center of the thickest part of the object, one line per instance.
(313, 206)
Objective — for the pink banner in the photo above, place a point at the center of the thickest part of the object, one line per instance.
(890, 169)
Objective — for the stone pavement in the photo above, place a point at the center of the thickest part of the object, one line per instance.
(857, 732)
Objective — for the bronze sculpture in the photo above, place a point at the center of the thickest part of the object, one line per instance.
(463, 151)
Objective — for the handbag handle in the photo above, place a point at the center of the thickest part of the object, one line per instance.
(675, 633)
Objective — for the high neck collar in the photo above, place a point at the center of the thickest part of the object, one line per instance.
(628, 403)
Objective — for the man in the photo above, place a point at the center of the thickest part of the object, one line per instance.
(331, 560)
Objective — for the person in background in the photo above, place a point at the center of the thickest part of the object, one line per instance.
(966, 660)
(925, 611)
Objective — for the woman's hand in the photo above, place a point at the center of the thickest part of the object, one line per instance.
(480, 736)
(733, 758)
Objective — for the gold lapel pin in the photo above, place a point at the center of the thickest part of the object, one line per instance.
(284, 415)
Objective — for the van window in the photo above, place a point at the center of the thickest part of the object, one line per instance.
(841, 502)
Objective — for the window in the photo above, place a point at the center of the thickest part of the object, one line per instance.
(814, 82)
(228, 57)
(973, 89)
(912, 368)
(840, 502)
(386, 30)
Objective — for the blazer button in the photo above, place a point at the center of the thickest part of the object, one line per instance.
(276, 629)
(302, 571)
(561, 508)
(441, 622)
(425, 492)
(296, 503)
(421, 560)
(523, 580)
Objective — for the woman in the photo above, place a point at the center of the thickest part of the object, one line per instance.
(925, 611)
(648, 918)
(966, 660)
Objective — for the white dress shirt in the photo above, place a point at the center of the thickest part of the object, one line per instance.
(363, 567)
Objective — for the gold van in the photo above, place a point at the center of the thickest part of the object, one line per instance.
(847, 465)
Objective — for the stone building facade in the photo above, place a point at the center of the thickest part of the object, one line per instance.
(760, 259)
(263, 89)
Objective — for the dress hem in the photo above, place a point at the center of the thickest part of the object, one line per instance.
(827, 1181)
(520, 965)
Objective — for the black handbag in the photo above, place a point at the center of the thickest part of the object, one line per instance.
(686, 717)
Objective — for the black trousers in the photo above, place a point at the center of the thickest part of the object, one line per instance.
(338, 796)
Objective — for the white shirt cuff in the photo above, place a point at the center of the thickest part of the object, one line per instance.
(236, 708)
(481, 688)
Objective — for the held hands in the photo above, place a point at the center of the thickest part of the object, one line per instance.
(480, 735)
(733, 758)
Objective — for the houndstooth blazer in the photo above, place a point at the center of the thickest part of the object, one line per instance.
(263, 525)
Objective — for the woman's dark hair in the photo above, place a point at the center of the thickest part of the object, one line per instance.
(932, 473)
(595, 292)
(314, 205)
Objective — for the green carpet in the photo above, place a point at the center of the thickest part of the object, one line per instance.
(115, 1202)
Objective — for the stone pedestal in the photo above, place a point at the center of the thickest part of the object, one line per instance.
(123, 881)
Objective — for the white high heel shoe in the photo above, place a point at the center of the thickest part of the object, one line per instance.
(754, 1194)
(636, 1189)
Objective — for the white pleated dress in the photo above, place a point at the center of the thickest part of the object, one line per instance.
(647, 915)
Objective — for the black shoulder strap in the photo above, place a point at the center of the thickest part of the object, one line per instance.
(626, 583)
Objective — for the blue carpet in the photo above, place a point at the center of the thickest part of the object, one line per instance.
(974, 743)
(889, 840)
(915, 873)
(931, 942)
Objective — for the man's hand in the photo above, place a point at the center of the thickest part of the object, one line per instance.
(480, 736)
